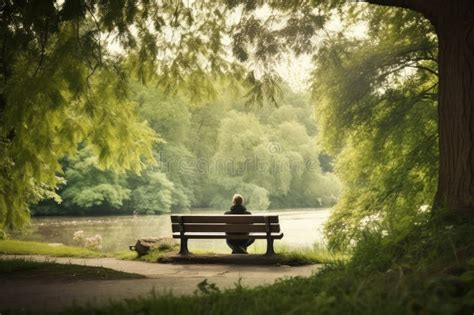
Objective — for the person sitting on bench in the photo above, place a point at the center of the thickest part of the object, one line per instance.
(238, 246)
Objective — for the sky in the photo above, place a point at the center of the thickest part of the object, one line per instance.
(296, 71)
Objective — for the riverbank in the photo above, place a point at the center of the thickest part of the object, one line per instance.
(302, 228)
(168, 254)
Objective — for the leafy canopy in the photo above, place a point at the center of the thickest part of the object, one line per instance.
(66, 66)
(377, 102)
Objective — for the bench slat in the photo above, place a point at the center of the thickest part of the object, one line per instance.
(233, 237)
(231, 218)
(239, 228)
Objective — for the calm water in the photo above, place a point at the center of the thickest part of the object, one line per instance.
(302, 227)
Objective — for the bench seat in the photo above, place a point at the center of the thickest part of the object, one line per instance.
(229, 237)
(186, 227)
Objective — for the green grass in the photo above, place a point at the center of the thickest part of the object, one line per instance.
(299, 256)
(427, 269)
(125, 255)
(153, 255)
(310, 255)
(15, 247)
(288, 256)
(16, 269)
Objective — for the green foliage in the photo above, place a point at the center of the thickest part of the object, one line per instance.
(270, 157)
(58, 89)
(207, 153)
(316, 254)
(376, 98)
(65, 71)
(88, 187)
(153, 193)
(4, 235)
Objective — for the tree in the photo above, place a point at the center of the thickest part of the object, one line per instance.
(268, 156)
(90, 189)
(56, 62)
(454, 25)
(59, 88)
(376, 104)
(152, 193)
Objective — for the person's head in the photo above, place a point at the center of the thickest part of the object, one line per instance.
(237, 199)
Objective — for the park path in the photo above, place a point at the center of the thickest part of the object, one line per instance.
(179, 279)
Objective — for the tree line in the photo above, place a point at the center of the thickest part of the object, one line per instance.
(206, 153)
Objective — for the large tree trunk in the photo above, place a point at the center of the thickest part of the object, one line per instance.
(454, 24)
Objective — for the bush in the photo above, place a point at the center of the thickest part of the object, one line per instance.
(4, 235)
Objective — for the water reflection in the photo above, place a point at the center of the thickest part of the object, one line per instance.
(302, 227)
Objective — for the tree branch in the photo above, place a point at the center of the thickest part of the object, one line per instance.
(424, 7)
(425, 69)
(43, 42)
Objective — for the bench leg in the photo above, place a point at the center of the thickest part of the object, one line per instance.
(183, 248)
(270, 250)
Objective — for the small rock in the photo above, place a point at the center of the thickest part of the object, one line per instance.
(143, 245)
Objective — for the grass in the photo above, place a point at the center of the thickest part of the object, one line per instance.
(293, 257)
(335, 290)
(125, 255)
(15, 247)
(316, 254)
(427, 269)
(17, 269)
(310, 255)
(153, 256)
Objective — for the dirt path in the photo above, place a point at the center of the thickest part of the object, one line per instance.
(162, 278)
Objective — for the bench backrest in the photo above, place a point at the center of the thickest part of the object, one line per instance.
(225, 223)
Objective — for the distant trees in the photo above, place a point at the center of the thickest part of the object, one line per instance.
(89, 188)
(279, 159)
(270, 156)
(207, 153)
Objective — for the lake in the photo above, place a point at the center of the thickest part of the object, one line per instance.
(301, 227)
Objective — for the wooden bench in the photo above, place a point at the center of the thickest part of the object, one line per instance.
(187, 227)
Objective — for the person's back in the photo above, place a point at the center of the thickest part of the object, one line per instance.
(238, 209)
(238, 246)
